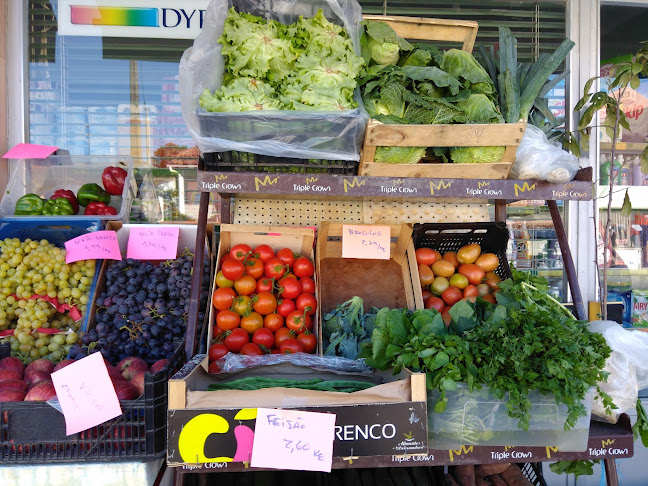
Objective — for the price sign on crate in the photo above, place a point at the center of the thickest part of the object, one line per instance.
(86, 394)
(150, 243)
(365, 241)
(95, 245)
(292, 439)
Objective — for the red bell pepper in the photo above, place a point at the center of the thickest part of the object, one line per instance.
(113, 179)
(66, 194)
(100, 209)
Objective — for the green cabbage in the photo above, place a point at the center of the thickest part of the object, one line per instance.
(476, 155)
(463, 66)
(399, 155)
(480, 109)
(383, 53)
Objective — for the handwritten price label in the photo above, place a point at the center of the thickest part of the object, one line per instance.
(86, 394)
(148, 243)
(291, 439)
(365, 241)
(99, 244)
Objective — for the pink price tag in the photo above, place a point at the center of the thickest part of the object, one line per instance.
(30, 151)
(86, 394)
(99, 244)
(292, 439)
(366, 241)
(153, 243)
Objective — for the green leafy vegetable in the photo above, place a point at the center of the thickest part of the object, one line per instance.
(577, 468)
(346, 329)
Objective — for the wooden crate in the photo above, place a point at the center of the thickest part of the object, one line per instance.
(390, 283)
(457, 135)
(299, 240)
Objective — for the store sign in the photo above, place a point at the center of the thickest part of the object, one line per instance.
(165, 19)
(227, 435)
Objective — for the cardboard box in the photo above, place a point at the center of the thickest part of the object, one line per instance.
(217, 426)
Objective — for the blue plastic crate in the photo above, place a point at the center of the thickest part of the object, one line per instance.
(56, 232)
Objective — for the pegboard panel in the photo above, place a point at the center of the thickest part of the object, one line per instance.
(395, 212)
(296, 212)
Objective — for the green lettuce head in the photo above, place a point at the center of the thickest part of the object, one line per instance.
(476, 155)
(399, 155)
(383, 53)
(242, 94)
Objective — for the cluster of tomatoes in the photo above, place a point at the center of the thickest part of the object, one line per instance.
(265, 303)
(463, 275)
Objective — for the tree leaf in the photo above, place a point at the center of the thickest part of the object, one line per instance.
(626, 208)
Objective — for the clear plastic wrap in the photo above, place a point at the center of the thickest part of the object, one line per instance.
(537, 158)
(308, 135)
(235, 362)
(627, 366)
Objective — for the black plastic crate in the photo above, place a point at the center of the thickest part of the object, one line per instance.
(34, 432)
(533, 472)
(5, 350)
(249, 162)
(492, 237)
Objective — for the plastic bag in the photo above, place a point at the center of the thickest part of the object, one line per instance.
(627, 366)
(308, 135)
(537, 158)
(234, 362)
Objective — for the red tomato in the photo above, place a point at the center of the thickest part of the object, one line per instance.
(298, 323)
(263, 253)
(223, 297)
(254, 267)
(264, 303)
(308, 285)
(264, 338)
(433, 302)
(446, 317)
(289, 288)
(303, 267)
(306, 302)
(251, 349)
(227, 319)
(426, 294)
(245, 285)
(425, 256)
(287, 256)
(470, 291)
(213, 367)
(217, 351)
(252, 322)
(264, 285)
(490, 298)
(281, 335)
(236, 340)
(240, 251)
(290, 275)
(285, 307)
(291, 346)
(275, 351)
(275, 268)
(224, 257)
(308, 341)
(451, 295)
(273, 321)
(217, 334)
(232, 269)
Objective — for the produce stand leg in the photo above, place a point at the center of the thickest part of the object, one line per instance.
(500, 211)
(226, 208)
(568, 261)
(611, 472)
(196, 276)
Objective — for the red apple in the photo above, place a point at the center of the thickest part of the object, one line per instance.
(115, 374)
(125, 391)
(159, 365)
(13, 385)
(12, 363)
(40, 365)
(131, 366)
(63, 364)
(41, 392)
(12, 396)
(9, 374)
(34, 376)
(138, 382)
